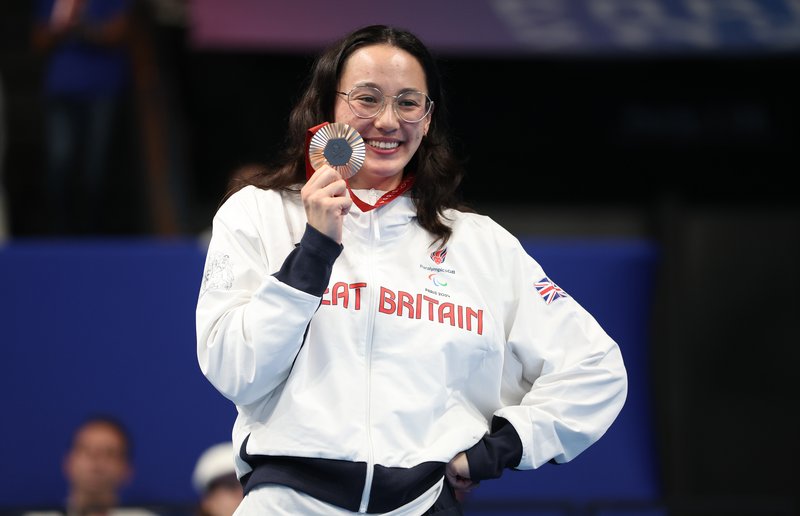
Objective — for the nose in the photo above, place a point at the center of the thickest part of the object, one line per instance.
(387, 120)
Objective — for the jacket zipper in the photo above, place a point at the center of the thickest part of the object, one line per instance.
(374, 237)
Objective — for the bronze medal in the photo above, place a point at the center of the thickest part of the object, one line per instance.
(339, 146)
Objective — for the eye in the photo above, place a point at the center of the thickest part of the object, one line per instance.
(408, 103)
(411, 100)
(366, 96)
(366, 99)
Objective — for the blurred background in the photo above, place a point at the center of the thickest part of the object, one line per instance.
(644, 151)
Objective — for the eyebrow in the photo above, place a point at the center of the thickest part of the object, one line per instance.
(374, 85)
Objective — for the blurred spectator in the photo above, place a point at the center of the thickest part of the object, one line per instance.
(87, 73)
(215, 480)
(4, 229)
(97, 467)
(172, 13)
(157, 96)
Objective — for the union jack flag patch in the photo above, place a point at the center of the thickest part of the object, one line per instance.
(549, 290)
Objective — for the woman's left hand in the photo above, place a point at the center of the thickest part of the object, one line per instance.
(457, 473)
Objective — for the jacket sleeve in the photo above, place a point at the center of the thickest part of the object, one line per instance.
(251, 314)
(566, 371)
(496, 451)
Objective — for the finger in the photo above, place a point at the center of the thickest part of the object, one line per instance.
(328, 200)
(346, 205)
(324, 175)
(342, 204)
(336, 188)
(323, 211)
(325, 187)
(458, 482)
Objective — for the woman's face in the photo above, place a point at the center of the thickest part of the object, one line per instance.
(390, 141)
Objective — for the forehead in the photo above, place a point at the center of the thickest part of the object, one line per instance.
(100, 434)
(386, 66)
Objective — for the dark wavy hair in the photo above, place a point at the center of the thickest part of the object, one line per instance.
(438, 172)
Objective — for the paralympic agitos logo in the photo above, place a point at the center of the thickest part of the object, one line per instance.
(437, 280)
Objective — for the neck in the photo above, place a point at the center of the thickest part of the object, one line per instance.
(363, 182)
(91, 504)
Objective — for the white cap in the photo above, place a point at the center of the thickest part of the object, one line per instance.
(214, 463)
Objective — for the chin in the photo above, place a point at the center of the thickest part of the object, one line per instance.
(365, 179)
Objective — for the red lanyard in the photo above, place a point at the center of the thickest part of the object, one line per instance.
(309, 134)
(404, 185)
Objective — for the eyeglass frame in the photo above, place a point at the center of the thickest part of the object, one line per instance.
(383, 106)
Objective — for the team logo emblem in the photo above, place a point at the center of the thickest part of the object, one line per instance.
(439, 256)
(219, 272)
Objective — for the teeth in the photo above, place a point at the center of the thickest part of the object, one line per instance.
(383, 145)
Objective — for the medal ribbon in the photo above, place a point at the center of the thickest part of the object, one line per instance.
(404, 185)
(310, 134)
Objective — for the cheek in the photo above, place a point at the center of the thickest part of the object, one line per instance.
(343, 115)
(359, 124)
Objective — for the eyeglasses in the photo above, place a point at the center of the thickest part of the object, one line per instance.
(369, 102)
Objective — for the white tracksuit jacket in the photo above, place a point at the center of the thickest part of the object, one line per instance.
(406, 358)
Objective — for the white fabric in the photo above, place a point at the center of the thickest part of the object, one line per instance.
(405, 360)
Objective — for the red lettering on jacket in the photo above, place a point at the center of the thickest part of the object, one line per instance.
(341, 293)
(406, 301)
(476, 314)
(405, 304)
(387, 304)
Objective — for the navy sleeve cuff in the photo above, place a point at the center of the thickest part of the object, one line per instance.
(308, 267)
(500, 449)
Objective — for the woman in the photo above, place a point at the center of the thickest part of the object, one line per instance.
(386, 350)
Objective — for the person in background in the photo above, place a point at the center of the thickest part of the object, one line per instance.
(214, 479)
(386, 347)
(87, 74)
(97, 468)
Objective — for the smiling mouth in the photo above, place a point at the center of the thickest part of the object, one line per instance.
(382, 145)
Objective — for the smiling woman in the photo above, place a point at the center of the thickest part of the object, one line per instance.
(386, 347)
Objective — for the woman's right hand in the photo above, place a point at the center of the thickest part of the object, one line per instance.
(326, 201)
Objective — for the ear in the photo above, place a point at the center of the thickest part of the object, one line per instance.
(428, 120)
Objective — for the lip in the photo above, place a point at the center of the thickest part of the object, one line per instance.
(382, 140)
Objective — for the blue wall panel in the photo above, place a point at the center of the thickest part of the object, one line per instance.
(108, 326)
